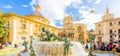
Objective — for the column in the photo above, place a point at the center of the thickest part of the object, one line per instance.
(31, 29)
(14, 31)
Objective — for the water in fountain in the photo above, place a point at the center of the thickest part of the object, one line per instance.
(78, 49)
(57, 49)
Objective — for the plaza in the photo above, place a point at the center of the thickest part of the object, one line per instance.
(33, 34)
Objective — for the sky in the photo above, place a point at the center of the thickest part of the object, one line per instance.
(55, 10)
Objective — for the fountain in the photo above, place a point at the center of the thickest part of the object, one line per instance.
(57, 49)
(52, 45)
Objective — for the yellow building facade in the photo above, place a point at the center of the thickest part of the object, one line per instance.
(108, 29)
(76, 32)
(26, 26)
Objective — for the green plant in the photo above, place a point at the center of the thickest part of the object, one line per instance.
(4, 28)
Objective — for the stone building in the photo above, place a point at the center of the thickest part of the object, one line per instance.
(76, 32)
(26, 26)
(31, 25)
(108, 29)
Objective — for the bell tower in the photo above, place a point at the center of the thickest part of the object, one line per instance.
(68, 22)
(108, 15)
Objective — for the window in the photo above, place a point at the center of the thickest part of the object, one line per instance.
(119, 22)
(110, 31)
(23, 26)
(119, 36)
(110, 36)
(99, 32)
(118, 31)
(110, 23)
(99, 25)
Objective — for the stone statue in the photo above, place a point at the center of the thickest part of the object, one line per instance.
(31, 47)
(25, 44)
(67, 45)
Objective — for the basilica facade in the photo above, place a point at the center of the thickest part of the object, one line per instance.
(26, 26)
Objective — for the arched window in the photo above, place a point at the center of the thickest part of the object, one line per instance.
(110, 31)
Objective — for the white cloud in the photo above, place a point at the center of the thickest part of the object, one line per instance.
(98, 1)
(76, 3)
(24, 5)
(89, 0)
(89, 19)
(7, 6)
(52, 9)
(83, 7)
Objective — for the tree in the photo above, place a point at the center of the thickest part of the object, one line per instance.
(3, 27)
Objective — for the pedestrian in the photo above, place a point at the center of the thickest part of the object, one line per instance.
(99, 46)
(114, 49)
(95, 48)
(86, 46)
(111, 46)
(118, 49)
(103, 47)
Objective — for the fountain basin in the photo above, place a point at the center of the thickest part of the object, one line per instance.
(57, 49)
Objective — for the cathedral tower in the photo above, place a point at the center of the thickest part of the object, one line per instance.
(68, 22)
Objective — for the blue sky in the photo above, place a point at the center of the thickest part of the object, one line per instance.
(55, 10)
(16, 6)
